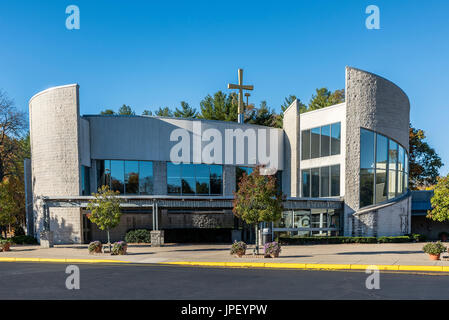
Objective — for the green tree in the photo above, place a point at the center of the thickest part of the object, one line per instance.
(424, 162)
(107, 112)
(105, 210)
(12, 129)
(147, 112)
(219, 107)
(8, 209)
(279, 119)
(324, 98)
(257, 200)
(186, 111)
(440, 201)
(126, 111)
(263, 115)
(164, 112)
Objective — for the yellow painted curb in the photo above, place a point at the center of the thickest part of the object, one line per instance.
(421, 268)
(12, 259)
(285, 265)
(327, 266)
(310, 266)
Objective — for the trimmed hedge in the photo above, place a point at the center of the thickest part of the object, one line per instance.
(138, 236)
(23, 240)
(298, 240)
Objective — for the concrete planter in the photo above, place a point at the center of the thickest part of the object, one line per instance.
(434, 257)
(5, 246)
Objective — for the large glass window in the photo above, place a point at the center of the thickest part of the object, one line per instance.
(335, 138)
(325, 141)
(118, 175)
(306, 183)
(321, 141)
(85, 181)
(131, 177)
(173, 178)
(335, 180)
(216, 179)
(321, 182)
(188, 178)
(194, 179)
(315, 143)
(127, 177)
(146, 177)
(305, 141)
(324, 181)
(315, 173)
(392, 169)
(383, 168)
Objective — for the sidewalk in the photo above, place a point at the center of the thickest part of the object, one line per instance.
(404, 254)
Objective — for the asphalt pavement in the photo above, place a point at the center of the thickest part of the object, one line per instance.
(146, 281)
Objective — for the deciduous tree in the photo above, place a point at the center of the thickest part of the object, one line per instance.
(440, 201)
(424, 162)
(105, 210)
(257, 200)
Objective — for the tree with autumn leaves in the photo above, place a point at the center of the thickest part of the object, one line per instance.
(257, 200)
(14, 148)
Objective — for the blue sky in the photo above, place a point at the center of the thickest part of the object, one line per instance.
(149, 54)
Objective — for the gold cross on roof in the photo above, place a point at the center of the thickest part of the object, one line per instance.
(240, 87)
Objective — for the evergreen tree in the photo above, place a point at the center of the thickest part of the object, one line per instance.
(186, 111)
(126, 111)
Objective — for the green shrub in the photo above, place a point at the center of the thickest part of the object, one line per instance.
(298, 240)
(23, 240)
(238, 248)
(434, 248)
(138, 236)
(95, 246)
(294, 240)
(399, 239)
(119, 248)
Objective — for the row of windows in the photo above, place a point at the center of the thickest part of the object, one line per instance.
(321, 182)
(127, 177)
(194, 179)
(321, 141)
(328, 220)
(383, 168)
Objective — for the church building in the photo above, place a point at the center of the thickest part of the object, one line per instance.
(343, 168)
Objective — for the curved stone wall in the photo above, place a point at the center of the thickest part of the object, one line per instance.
(374, 103)
(54, 137)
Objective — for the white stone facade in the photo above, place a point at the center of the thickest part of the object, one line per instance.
(62, 142)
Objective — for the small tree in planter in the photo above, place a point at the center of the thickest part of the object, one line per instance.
(434, 250)
(272, 249)
(5, 244)
(105, 210)
(238, 248)
(257, 200)
(119, 248)
(440, 205)
(95, 247)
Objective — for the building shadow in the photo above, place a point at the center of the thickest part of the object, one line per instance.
(378, 252)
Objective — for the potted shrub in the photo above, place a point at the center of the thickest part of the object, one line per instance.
(434, 249)
(119, 248)
(238, 248)
(5, 244)
(272, 249)
(443, 236)
(95, 247)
